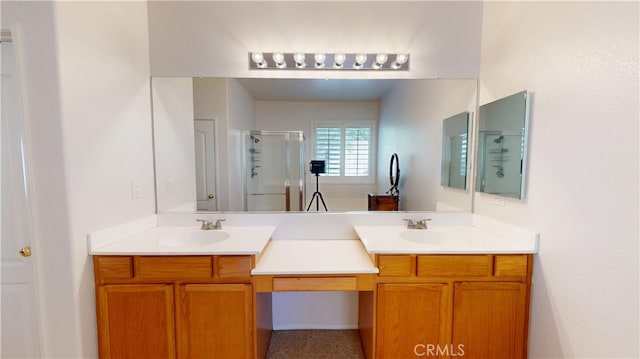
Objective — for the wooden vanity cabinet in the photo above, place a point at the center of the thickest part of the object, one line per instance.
(409, 314)
(136, 321)
(446, 306)
(216, 321)
(175, 306)
(489, 319)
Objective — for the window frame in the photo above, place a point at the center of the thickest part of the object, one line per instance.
(344, 124)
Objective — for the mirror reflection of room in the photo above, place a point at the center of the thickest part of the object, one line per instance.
(455, 145)
(399, 116)
(502, 131)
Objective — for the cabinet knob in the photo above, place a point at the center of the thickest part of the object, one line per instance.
(211, 196)
(25, 251)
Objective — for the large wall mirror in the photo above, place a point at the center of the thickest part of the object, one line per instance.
(245, 144)
(502, 144)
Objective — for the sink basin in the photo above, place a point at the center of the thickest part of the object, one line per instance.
(194, 238)
(425, 236)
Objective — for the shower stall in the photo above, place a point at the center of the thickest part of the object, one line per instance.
(500, 162)
(273, 171)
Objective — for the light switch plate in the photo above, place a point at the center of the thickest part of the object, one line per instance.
(170, 185)
(135, 189)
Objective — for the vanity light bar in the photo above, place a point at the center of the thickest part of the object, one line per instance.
(327, 61)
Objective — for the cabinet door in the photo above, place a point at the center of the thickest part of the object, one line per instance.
(136, 321)
(489, 319)
(216, 321)
(411, 318)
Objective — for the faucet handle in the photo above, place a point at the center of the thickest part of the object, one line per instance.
(410, 224)
(218, 225)
(205, 223)
(423, 223)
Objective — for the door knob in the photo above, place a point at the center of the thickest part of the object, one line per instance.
(211, 196)
(25, 251)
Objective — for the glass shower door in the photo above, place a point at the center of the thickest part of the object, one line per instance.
(273, 171)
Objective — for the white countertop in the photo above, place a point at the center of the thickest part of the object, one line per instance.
(305, 244)
(314, 256)
(242, 240)
(439, 240)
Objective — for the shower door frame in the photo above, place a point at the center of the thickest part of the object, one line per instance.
(287, 185)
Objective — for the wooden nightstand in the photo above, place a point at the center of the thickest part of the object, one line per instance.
(382, 202)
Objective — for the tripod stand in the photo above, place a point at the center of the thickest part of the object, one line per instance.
(317, 195)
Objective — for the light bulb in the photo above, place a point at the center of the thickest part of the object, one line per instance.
(338, 60)
(319, 59)
(380, 60)
(278, 58)
(258, 58)
(400, 60)
(360, 60)
(299, 59)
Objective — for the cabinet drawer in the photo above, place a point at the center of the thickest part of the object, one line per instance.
(114, 267)
(454, 265)
(397, 265)
(179, 267)
(314, 284)
(234, 267)
(510, 266)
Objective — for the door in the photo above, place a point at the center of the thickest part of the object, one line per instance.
(205, 151)
(489, 319)
(216, 321)
(19, 312)
(136, 321)
(411, 320)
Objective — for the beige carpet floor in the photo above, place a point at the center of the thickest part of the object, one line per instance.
(315, 344)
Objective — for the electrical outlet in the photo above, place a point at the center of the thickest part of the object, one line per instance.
(135, 189)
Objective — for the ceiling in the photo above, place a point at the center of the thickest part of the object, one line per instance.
(317, 89)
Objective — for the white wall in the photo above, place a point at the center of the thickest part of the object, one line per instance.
(299, 116)
(580, 61)
(86, 68)
(241, 117)
(173, 129)
(411, 118)
(214, 38)
(106, 127)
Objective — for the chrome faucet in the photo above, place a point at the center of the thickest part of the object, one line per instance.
(420, 224)
(207, 225)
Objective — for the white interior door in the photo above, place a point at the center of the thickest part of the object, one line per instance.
(204, 138)
(19, 328)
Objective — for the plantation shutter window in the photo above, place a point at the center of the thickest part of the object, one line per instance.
(356, 156)
(328, 148)
(346, 148)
